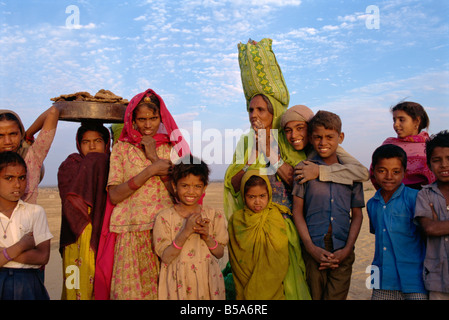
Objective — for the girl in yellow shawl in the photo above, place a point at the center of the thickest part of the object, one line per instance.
(264, 249)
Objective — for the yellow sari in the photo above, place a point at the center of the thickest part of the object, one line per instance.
(78, 262)
(265, 254)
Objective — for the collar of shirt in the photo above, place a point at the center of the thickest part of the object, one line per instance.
(378, 195)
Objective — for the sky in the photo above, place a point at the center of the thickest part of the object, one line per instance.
(354, 58)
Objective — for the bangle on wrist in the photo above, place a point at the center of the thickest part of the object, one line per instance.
(176, 246)
(132, 185)
(6, 255)
(215, 246)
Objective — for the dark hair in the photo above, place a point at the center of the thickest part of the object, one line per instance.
(325, 119)
(93, 126)
(8, 158)
(191, 165)
(254, 181)
(415, 111)
(388, 151)
(441, 139)
(152, 102)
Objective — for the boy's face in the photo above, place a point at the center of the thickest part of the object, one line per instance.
(190, 189)
(439, 163)
(389, 174)
(256, 198)
(12, 183)
(326, 141)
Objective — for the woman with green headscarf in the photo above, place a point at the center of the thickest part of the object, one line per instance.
(264, 248)
(265, 148)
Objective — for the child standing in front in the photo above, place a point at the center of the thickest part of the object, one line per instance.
(399, 249)
(322, 215)
(25, 235)
(409, 121)
(190, 238)
(266, 264)
(432, 213)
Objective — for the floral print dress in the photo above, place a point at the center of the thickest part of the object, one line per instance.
(195, 273)
(136, 266)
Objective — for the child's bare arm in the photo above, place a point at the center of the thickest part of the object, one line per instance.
(12, 252)
(203, 230)
(39, 255)
(354, 230)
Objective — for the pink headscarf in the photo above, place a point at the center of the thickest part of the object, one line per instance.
(168, 130)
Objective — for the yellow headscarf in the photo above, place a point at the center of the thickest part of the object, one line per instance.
(233, 200)
(258, 249)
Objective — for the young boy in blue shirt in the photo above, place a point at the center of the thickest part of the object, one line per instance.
(322, 215)
(399, 250)
(432, 214)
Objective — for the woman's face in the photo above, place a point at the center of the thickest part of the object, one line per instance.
(147, 121)
(92, 141)
(10, 136)
(259, 116)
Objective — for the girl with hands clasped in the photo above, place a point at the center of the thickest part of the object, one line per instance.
(139, 187)
(190, 238)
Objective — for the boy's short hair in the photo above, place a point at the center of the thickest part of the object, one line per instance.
(441, 139)
(10, 158)
(191, 165)
(388, 151)
(325, 119)
(254, 181)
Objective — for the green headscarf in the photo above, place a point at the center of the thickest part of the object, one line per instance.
(265, 253)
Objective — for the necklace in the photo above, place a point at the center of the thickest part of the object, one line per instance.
(5, 229)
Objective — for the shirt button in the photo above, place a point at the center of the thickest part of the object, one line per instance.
(385, 248)
(385, 207)
(384, 230)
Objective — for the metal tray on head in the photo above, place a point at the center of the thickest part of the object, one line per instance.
(81, 111)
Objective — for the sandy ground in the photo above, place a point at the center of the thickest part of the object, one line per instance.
(49, 199)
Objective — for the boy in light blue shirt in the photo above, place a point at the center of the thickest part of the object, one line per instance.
(399, 250)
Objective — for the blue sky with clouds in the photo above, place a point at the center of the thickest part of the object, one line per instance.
(331, 57)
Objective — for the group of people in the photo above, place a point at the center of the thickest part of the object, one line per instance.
(135, 227)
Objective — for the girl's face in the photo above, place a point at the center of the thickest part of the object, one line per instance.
(92, 141)
(259, 115)
(296, 134)
(389, 174)
(12, 183)
(256, 198)
(147, 121)
(439, 163)
(190, 189)
(404, 125)
(10, 136)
